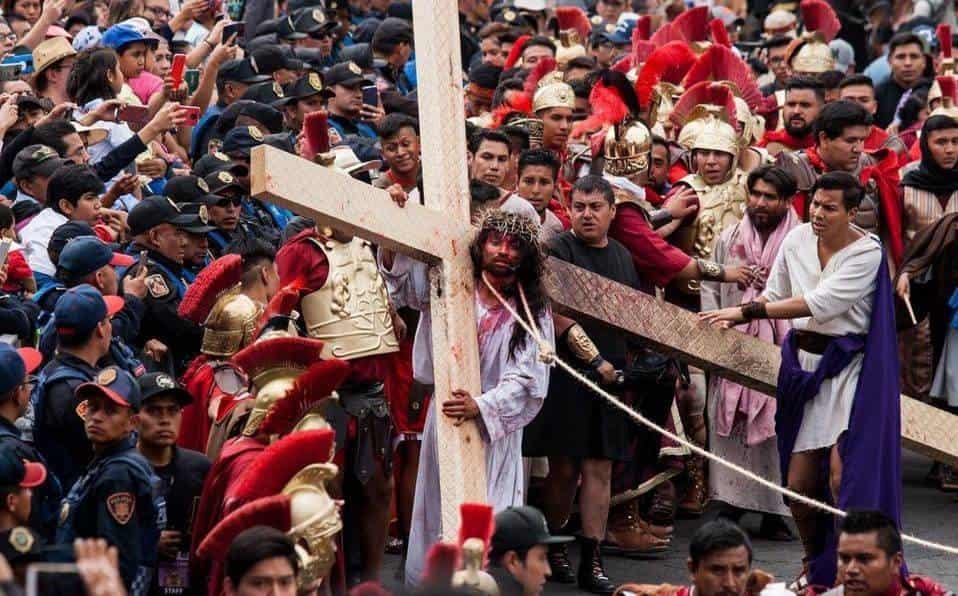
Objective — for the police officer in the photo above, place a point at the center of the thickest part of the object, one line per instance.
(118, 497)
(19, 544)
(156, 224)
(84, 333)
(15, 384)
(228, 213)
(181, 472)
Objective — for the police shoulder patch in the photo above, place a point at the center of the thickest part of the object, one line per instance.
(157, 286)
(121, 506)
(21, 539)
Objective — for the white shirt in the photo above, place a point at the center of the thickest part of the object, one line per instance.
(36, 236)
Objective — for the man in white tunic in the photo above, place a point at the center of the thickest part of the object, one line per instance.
(838, 412)
(514, 380)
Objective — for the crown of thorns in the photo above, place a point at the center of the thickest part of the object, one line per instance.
(505, 222)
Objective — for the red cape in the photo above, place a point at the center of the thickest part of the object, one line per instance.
(782, 136)
(885, 175)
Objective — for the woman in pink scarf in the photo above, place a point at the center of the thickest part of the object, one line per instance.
(742, 421)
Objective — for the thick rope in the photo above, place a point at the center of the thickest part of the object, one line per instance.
(547, 353)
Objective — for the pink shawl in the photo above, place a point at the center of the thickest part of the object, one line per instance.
(757, 409)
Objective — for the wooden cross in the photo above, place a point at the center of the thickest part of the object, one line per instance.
(439, 234)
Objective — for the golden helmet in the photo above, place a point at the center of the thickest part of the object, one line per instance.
(533, 126)
(573, 27)
(231, 324)
(626, 148)
(314, 419)
(811, 56)
(689, 133)
(934, 92)
(752, 126)
(315, 521)
(553, 95)
(568, 48)
(717, 135)
(664, 96)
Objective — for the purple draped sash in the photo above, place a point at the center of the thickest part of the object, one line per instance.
(871, 448)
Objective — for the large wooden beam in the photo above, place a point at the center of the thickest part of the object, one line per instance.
(346, 204)
(725, 352)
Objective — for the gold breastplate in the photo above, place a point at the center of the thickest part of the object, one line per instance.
(720, 206)
(350, 313)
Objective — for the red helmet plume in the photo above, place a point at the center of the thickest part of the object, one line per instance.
(213, 281)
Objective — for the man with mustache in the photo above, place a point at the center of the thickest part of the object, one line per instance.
(840, 132)
(804, 99)
(741, 421)
(906, 56)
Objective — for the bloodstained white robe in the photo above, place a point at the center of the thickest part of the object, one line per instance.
(513, 389)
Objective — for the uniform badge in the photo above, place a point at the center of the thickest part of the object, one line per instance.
(106, 376)
(157, 286)
(354, 68)
(203, 185)
(220, 156)
(315, 82)
(254, 132)
(64, 512)
(318, 16)
(277, 90)
(165, 382)
(21, 539)
(225, 177)
(121, 506)
(509, 16)
(82, 408)
(204, 214)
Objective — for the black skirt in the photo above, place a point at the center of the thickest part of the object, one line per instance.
(576, 422)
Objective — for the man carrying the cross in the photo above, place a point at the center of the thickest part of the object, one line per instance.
(507, 265)
(838, 418)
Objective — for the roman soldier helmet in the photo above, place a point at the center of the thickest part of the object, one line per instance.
(949, 98)
(229, 317)
(475, 536)
(302, 508)
(691, 27)
(658, 86)
(810, 54)
(709, 109)
(547, 89)
(573, 27)
(276, 368)
(720, 64)
(624, 140)
(946, 66)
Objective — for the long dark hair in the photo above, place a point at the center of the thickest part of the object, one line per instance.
(528, 276)
(88, 79)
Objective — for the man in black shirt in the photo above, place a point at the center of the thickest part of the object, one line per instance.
(906, 55)
(181, 472)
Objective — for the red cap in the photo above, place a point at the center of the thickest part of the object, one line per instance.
(35, 475)
(32, 359)
(121, 260)
(114, 304)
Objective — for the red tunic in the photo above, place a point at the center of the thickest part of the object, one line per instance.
(792, 143)
(885, 175)
(655, 259)
(876, 138)
(236, 456)
(200, 381)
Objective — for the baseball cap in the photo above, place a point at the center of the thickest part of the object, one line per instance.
(222, 181)
(50, 51)
(37, 160)
(779, 21)
(199, 215)
(268, 116)
(282, 141)
(521, 528)
(286, 30)
(66, 232)
(305, 86)
(16, 364)
(85, 254)
(241, 139)
(153, 211)
(269, 59)
(624, 28)
(81, 308)
(87, 38)
(115, 384)
(159, 383)
(123, 34)
(270, 93)
(360, 53)
(347, 74)
(312, 20)
(32, 102)
(16, 471)
(390, 32)
(186, 189)
(216, 161)
(843, 53)
(20, 545)
(242, 71)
